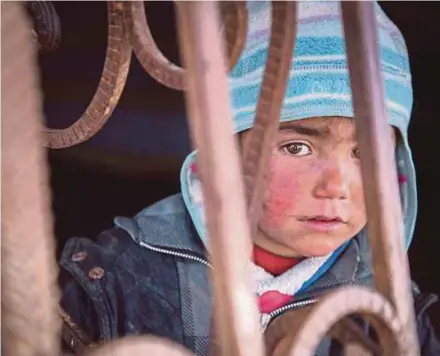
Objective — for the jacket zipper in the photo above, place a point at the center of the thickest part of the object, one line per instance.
(294, 305)
(177, 254)
(273, 314)
(427, 302)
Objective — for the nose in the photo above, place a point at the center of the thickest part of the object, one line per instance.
(333, 182)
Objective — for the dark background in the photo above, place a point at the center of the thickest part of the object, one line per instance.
(135, 159)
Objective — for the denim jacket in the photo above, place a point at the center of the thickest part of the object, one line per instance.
(150, 275)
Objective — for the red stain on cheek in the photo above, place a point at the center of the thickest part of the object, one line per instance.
(281, 196)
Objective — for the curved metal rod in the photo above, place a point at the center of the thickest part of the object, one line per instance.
(77, 340)
(235, 313)
(30, 323)
(141, 346)
(382, 199)
(152, 59)
(111, 84)
(29, 294)
(235, 27)
(258, 149)
(46, 24)
(300, 335)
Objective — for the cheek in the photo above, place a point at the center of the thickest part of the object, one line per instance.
(282, 192)
(357, 199)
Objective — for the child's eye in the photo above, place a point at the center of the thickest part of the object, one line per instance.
(356, 153)
(297, 149)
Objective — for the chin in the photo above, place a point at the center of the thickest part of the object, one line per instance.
(296, 242)
(315, 249)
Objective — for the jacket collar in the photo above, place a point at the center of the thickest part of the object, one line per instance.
(167, 225)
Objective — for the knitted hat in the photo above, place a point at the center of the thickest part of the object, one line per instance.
(319, 84)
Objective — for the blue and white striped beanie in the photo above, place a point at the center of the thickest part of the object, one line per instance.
(319, 83)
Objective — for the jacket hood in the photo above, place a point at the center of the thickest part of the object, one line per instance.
(318, 86)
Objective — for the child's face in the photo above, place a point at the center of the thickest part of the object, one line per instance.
(314, 200)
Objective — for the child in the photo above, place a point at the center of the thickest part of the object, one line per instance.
(149, 274)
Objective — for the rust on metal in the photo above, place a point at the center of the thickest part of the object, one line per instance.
(74, 337)
(219, 162)
(46, 23)
(390, 309)
(153, 60)
(30, 323)
(384, 211)
(141, 346)
(258, 150)
(233, 189)
(110, 87)
(300, 331)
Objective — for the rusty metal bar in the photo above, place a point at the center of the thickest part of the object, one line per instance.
(29, 296)
(390, 309)
(110, 87)
(152, 59)
(385, 221)
(30, 325)
(258, 150)
(220, 174)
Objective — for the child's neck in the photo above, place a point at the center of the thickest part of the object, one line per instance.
(272, 263)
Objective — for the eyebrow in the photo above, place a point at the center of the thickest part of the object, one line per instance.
(306, 130)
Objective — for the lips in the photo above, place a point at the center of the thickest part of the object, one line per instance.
(323, 223)
(325, 218)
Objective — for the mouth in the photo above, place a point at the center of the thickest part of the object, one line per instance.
(323, 223)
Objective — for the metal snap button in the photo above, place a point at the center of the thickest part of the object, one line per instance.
(79, 256)
(96, 273)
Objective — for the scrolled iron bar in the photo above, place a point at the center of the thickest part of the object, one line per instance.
(74, 337)
(384, 211)
(153, 60)
(298, 333)
(47, 27)
(30, 325)
(141, 346)
(219, 164)
(389, 310)
(235, 27)
(385, 223)
(258, 150)
(110, 87)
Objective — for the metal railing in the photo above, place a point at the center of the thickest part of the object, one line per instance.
(31, 319)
